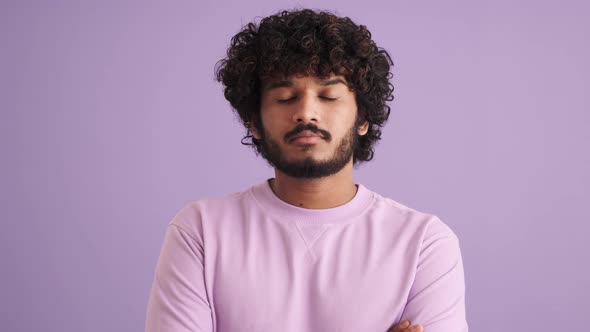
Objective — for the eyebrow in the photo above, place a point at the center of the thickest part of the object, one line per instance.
(333, 81)
(286, 84)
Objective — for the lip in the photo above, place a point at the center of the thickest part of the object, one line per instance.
(306, 137)
(306, 140)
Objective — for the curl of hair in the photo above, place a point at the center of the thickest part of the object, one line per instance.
(307, 42)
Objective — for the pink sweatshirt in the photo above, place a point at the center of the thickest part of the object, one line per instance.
(252, 262)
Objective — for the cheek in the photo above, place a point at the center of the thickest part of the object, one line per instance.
(340, 123)
(275, 121)
(271, 126)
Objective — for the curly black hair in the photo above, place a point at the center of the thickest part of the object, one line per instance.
(308, 42)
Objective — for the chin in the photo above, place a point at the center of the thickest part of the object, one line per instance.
(305, 155)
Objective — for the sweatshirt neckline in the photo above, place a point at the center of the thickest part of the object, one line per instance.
(345, 213)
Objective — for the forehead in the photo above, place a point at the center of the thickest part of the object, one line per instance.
(299, 80)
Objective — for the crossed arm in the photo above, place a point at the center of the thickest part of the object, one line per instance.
(436, 301)
(437, 296)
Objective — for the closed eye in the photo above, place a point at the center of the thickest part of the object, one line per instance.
(288, 100)
(285, 101)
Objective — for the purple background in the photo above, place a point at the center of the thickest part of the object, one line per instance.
(111, 121)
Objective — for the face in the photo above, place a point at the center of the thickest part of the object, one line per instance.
(309, 125)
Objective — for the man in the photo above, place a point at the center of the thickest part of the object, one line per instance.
(307, 250)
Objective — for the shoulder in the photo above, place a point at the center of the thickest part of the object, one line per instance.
(191, 215)
(429, 241)
(422, 224)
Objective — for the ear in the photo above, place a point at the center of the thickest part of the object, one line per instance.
(363, 129)
(253, 130)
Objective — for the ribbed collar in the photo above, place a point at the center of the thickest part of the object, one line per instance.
(342, 214)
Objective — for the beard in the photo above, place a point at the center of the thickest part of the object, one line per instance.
(309, 168)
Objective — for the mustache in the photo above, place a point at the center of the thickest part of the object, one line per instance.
(311, 127)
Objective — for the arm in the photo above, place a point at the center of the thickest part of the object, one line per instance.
(437, 297)
(178, 299)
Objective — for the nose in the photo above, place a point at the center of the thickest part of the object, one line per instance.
(306, 110)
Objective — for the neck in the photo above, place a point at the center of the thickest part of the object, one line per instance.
(322, 193)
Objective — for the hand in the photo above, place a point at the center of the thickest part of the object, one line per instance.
(404, 326)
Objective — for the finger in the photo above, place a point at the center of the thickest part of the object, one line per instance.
(415, 328)
(399, 327)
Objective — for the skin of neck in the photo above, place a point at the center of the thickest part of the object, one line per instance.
(323, 193)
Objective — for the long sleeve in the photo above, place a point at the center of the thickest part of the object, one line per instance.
(178, 300)
(437, 296)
